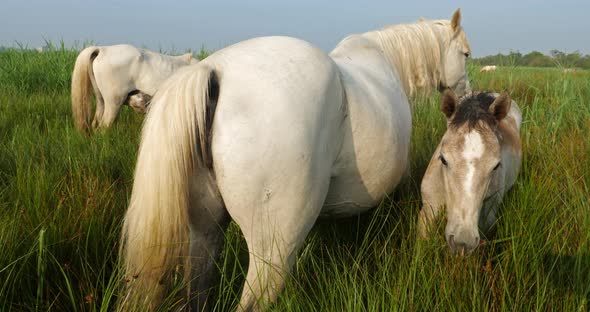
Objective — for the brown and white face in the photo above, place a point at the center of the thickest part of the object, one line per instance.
(455, 58)
(470, 157)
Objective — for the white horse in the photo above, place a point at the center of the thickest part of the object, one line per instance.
(476, 162)
(272, 133)
(488, 68)
(118, 74)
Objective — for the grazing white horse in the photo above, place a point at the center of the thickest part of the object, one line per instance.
(476, 162)
(118, 74)
(488, 68)
(272, 133)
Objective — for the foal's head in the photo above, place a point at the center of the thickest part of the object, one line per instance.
(470, 156)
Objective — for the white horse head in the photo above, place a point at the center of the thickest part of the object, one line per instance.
(457, 52)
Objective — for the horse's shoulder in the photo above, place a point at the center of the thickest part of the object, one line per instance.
(353, 44)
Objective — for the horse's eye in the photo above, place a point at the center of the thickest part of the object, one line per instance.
(497, 166)
(443, 160)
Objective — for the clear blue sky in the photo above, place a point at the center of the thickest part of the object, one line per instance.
(492, 26)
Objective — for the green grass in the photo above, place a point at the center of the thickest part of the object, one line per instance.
(63, 196)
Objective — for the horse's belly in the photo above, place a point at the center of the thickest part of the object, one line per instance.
(352, 193)
(347, 197)
(344, 209)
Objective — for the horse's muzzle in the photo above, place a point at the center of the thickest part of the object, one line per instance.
(462, 247)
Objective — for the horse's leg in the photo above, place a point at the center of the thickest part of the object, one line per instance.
(274, 231)
(111, 89)
(208, 221)
(112, 105)
(99, 111)
(266, 273)
(271, 259)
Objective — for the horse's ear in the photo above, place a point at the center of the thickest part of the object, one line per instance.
(501, 105)
(448, 103)
(456, 20)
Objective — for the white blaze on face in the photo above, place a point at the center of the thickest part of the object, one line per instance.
(473, 150)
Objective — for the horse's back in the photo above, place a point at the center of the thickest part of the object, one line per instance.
(118, 55)
(274, 74)
(276, 58)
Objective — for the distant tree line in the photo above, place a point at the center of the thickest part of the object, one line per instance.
(555, 58)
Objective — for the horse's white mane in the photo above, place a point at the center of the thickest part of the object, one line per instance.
(416, 51)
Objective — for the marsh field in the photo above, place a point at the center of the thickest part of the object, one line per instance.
(63, 196)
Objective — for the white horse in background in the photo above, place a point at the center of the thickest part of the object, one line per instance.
(488, 68)
(272, 132)
(476, 162)
(118, 74)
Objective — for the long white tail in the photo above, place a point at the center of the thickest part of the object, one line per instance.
(174, 144)
(82, 88)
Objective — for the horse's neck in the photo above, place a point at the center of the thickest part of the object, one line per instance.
(417, 60)
(163, 60)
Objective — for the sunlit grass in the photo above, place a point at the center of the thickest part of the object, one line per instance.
(63, 196)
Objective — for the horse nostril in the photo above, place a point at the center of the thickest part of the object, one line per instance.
(452, 243)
